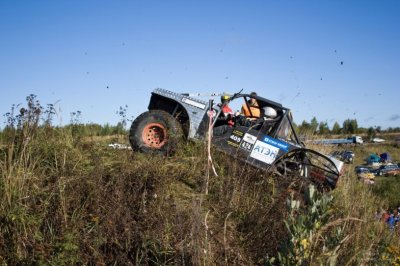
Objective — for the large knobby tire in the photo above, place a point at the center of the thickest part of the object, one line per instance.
(155, 131)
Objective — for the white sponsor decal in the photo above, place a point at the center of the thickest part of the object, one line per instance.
(194, 103)
(246, 146)
(249, 138)
(264, 152)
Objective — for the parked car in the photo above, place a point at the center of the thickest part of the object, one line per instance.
(363, 169)
(388, 169)
(345, 156)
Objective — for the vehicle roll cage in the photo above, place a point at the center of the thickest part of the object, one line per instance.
(283, 112)
(262, 102)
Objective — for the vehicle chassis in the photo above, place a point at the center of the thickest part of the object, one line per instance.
(269, 144)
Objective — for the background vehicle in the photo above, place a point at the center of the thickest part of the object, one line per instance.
(388, 169)
(377, 140)
(270, 144)
(363, 169)
(349, 140)
(345, 156)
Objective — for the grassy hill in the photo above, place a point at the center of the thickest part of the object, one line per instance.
(69, 199)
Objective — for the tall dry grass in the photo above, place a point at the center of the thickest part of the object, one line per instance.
(66, 200)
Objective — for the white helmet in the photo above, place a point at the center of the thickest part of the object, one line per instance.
(270, 112)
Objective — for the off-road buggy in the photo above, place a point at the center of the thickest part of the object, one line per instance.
(270, 144)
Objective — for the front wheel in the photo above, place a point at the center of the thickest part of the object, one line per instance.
(155, 131)
(309, 165)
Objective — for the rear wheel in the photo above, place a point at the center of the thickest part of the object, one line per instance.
(155, 131)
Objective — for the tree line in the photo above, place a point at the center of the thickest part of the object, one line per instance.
(349, 126)
(42, 116)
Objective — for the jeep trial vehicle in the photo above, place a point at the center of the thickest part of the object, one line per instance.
(270, 144)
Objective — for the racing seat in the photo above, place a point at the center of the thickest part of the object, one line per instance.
(268, 120)
(268, 124)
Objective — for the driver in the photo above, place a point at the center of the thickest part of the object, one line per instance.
(250, 109)
(225, 119)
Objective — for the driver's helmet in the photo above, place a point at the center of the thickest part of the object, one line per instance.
(225, 98)
(270, 112)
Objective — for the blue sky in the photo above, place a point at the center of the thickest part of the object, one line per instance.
(330, 59)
